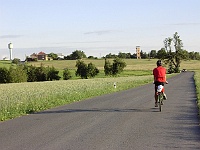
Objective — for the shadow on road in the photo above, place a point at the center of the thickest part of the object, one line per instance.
(100, 110)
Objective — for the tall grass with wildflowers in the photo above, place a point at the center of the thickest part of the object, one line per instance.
(18, 99)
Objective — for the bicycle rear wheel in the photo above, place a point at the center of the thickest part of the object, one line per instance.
(159, 102)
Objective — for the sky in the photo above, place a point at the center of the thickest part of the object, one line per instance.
(96, 27)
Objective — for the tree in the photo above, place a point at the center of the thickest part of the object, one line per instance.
(153, 54)
(111, 55)
(122, 55)
(161, 54)
(77, 55)
(143, 55)
(16, 61)
(175, 56)
(17, 74)
(118, 66)
(194, 55)
(53, 56)
(41, 73)
(107, 68)
(85, 70)
(115, 68)
(31, 73)
(92, 71)
(81, 69)
(52, 74)
(4, 75)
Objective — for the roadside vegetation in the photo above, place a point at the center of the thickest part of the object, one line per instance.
(23, 98)
(67, 81)
(197, 83)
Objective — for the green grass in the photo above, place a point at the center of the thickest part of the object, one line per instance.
(22, 98)
(197, 83)
(132, 64)
(18, 99)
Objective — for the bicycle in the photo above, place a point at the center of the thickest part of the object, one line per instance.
(160, 96)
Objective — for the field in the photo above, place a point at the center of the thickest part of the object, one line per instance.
(18, 99)
(132, 64)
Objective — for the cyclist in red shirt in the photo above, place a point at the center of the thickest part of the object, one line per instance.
(159, 79)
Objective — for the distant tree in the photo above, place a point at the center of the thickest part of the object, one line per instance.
(92, 57)
(111, 56)
(161, 54)
(194, 55)
(78, 54)
(197, 55)
(122, 55)
(16, 61)
(53, 56)
(143, 55)
(134, 56)
(153, 54)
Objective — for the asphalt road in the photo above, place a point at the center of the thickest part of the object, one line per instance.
(125, 120)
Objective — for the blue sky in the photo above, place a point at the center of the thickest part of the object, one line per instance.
(97, 27)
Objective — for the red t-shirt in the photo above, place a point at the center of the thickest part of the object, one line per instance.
(159, 74)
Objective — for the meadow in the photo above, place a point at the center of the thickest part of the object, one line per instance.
(18, 99)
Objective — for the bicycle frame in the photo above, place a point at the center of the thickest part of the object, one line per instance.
(160, 100)
(160, 89)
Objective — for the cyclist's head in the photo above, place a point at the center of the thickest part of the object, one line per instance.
(159, 63)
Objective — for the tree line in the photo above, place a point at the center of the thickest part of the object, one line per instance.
(159, 54)
(25, 73)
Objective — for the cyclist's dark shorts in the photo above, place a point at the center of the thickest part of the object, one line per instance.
(159, 83)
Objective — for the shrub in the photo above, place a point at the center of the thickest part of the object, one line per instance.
(52, 74)
(85, 70)
(16, 61)
(116, 68)
(31, 70)
(17, 74)
(81, 69)
(67, 74)
(92, 71)
(41, 73)
(4, 75)
(107, 68)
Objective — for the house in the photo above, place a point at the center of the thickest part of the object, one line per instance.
(33, 56)
(42, 56)
(60, 56)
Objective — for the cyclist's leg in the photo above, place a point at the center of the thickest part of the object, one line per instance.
(156, 95)
(163, 91)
